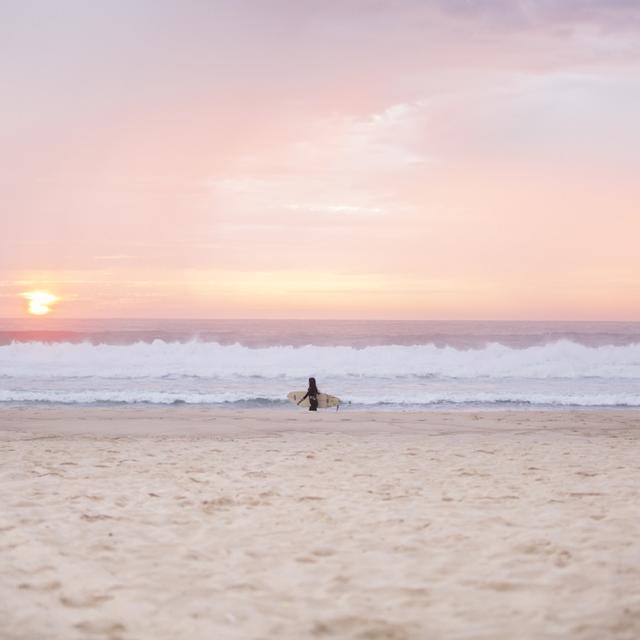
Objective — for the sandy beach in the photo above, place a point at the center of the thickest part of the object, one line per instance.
(181, 522)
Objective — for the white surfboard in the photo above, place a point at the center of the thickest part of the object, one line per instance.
(324, 400)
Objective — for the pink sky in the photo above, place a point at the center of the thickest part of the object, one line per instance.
(353, 159)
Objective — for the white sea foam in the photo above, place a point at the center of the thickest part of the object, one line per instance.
(562, 373)
(414, 399)
(159, 359)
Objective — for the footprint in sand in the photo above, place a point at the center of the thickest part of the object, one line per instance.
(563, 558)
(83, 600)
(95, 517)
(361, 628)
(209, 506)
(102, 627)
(323, 553)
(51, 585)
(502, 586)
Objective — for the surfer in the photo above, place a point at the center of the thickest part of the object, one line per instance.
(312, 394)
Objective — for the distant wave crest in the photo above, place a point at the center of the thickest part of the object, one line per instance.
(160, 359)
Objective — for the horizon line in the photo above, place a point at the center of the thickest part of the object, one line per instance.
(48, 318)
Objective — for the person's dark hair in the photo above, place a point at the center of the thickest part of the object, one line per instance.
(312, 386)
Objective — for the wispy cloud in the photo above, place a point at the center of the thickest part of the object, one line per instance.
(606, 14)
(334, 209)
(341, 166)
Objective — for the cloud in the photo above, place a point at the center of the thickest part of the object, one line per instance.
(606, 14)
(385, 141)
(341, 166)
(335, 209)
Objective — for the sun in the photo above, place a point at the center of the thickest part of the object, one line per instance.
(39, 302)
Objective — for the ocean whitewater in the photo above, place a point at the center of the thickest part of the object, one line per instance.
(411, 365)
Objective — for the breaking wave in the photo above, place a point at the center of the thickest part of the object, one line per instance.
(159, 359)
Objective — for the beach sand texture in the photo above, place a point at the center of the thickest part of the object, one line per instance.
(146, 523)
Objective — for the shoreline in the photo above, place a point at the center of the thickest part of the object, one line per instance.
(187, 420)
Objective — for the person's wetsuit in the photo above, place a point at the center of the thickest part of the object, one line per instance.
(312, 394)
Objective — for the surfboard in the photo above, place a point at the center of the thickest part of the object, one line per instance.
(324, 400)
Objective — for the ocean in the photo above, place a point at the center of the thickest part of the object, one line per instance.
(368, 364)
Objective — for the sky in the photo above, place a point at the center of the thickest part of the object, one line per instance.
(404, 159)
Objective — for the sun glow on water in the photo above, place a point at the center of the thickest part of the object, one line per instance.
(40, 302)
